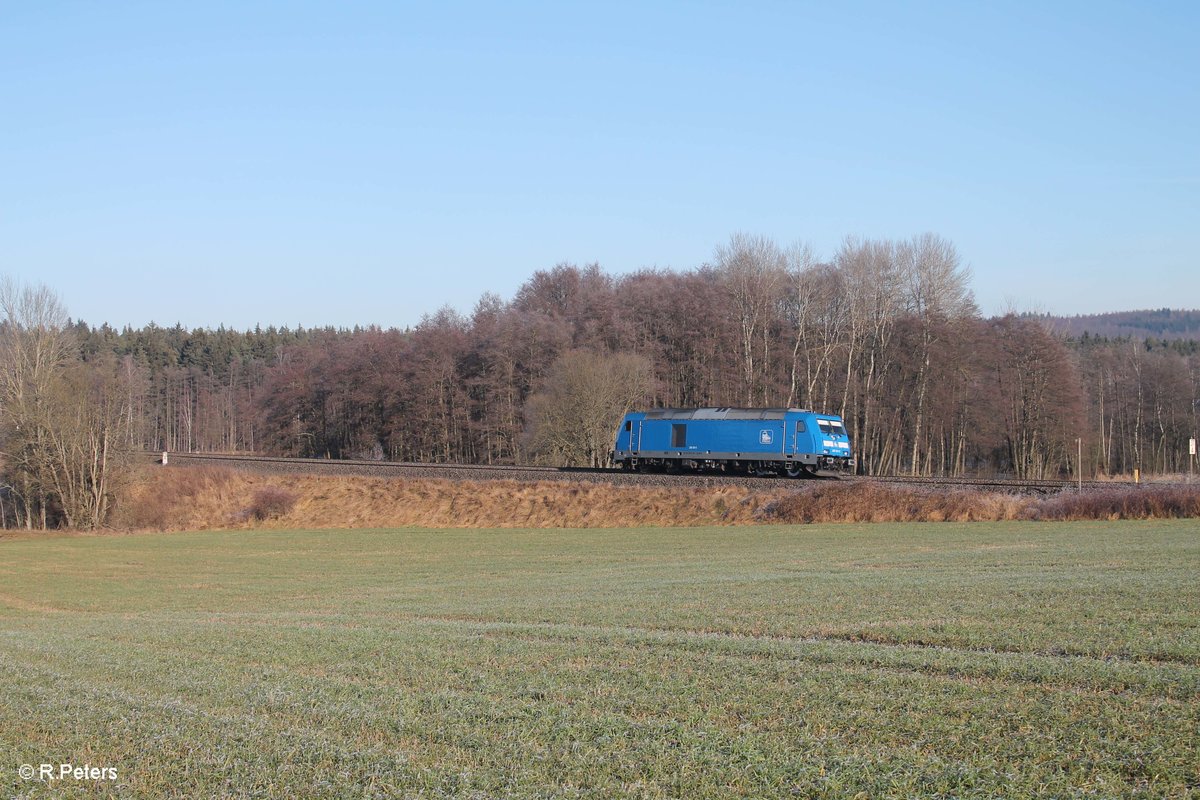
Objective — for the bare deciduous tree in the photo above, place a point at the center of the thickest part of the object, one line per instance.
(573, 419)
(817, 312)
(1040, 397)
(35, 346)
(871, 281)
(935, 290)
(63, 422)
(86, 439)
(755, 270)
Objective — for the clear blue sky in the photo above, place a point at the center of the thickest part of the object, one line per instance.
(355, 163)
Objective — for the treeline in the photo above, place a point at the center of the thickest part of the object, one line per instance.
(885, 333)
(1165, 324)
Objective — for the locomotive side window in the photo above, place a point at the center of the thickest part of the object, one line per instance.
(628, 424)
(678, 435)
(800, 427)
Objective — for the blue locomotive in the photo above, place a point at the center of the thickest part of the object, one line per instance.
(756, 441)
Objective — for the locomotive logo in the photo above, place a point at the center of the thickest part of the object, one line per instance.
(766, 437)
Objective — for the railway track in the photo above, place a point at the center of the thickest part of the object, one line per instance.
(995, 484)
(457, 472)
(476, 472)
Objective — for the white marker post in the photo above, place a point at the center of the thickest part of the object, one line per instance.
(1191, 458)
(1079, 462)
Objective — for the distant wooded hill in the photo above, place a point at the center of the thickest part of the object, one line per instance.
(1161, 323)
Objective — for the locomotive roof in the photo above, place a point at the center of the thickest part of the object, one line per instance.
(719, 413)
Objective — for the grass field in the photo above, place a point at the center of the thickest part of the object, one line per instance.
(980, 660)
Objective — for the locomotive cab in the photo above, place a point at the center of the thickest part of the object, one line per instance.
(831, 444)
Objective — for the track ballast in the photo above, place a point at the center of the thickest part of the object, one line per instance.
(477, 472)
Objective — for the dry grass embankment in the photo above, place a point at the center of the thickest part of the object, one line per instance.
(195, 498)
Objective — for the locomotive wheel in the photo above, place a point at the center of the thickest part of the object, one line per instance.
(795, 470)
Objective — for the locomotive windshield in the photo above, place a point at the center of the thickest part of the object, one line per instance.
(831, 427)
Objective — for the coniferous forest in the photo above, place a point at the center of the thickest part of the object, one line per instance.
(885, 333)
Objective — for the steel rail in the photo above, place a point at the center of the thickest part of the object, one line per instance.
(516, 472)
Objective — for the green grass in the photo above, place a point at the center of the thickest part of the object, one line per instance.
(980, 660)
